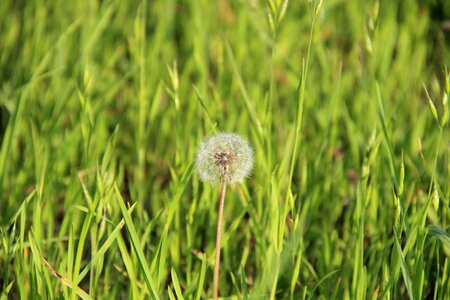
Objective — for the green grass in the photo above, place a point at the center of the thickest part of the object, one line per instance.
(103, 105)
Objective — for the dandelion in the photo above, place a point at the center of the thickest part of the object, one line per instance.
(226, 158)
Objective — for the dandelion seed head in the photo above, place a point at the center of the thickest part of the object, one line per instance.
(224, 155)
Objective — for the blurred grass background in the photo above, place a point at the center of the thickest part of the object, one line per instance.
(104, 103)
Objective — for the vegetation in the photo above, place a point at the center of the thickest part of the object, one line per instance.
(103, 105)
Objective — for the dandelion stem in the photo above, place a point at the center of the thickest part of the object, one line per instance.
(218, 238)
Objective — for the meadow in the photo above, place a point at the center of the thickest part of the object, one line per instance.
(104, 104)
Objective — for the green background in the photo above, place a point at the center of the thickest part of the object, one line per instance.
(103, 105)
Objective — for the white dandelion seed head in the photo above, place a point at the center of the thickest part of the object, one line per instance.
(224, 156)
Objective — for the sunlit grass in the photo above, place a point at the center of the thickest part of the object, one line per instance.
(103, 107)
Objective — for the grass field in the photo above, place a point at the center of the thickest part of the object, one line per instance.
(103, 106)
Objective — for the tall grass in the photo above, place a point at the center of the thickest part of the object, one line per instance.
(103, 105)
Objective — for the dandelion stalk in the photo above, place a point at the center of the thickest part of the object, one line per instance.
(218, 238)
(226, 158)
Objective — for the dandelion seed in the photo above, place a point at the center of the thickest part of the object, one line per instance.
(225, 158)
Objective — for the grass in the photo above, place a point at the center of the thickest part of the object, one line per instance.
(103, 106)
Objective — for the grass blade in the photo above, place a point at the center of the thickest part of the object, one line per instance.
(176, 285)
(136, 244)
(201, 278)
(442, 235)
(404, 268)
(101, 252)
